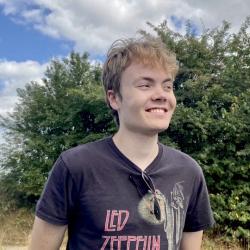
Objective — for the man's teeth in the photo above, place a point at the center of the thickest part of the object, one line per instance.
(157, 110)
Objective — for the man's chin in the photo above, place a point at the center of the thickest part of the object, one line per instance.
(157, 130)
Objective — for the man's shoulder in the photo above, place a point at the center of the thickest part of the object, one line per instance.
(179, 159)
(85, 152)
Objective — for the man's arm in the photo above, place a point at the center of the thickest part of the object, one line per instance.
(191, 240)
(46, 236)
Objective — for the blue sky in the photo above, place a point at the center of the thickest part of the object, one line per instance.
(19, 42)
(32, 32)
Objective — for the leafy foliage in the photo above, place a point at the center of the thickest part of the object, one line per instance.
(66, 110)
(211, 123)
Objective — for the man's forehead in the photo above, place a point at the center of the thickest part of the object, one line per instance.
(145, 70)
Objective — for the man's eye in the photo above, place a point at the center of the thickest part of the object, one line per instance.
(168, 87)
(144, 85)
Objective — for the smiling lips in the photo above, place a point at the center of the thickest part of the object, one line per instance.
(157, 110)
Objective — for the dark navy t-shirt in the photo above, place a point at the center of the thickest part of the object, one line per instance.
(101, 195)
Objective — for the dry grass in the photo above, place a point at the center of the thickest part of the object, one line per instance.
(15, 228)
(220, 244)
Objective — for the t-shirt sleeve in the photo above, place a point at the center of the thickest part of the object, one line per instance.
(57, 200)
(199, 214)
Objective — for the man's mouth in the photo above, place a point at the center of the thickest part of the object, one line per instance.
(157, 110)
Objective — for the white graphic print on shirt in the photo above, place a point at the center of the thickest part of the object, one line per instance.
(172, 213)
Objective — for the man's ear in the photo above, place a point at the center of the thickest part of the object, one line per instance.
(113, 99)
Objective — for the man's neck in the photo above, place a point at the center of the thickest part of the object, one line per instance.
(140, 149)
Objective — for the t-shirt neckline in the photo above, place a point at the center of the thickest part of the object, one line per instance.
(129, 163)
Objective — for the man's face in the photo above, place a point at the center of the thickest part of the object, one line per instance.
(148, 100)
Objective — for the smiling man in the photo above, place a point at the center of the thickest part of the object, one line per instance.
(128, 191)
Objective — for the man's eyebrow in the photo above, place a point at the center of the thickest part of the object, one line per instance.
(169, 79)
(149, 79)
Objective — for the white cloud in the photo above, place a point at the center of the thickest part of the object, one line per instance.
(93, 24)
(15, 75)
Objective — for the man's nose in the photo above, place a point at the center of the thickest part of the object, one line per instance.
(159, 94)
